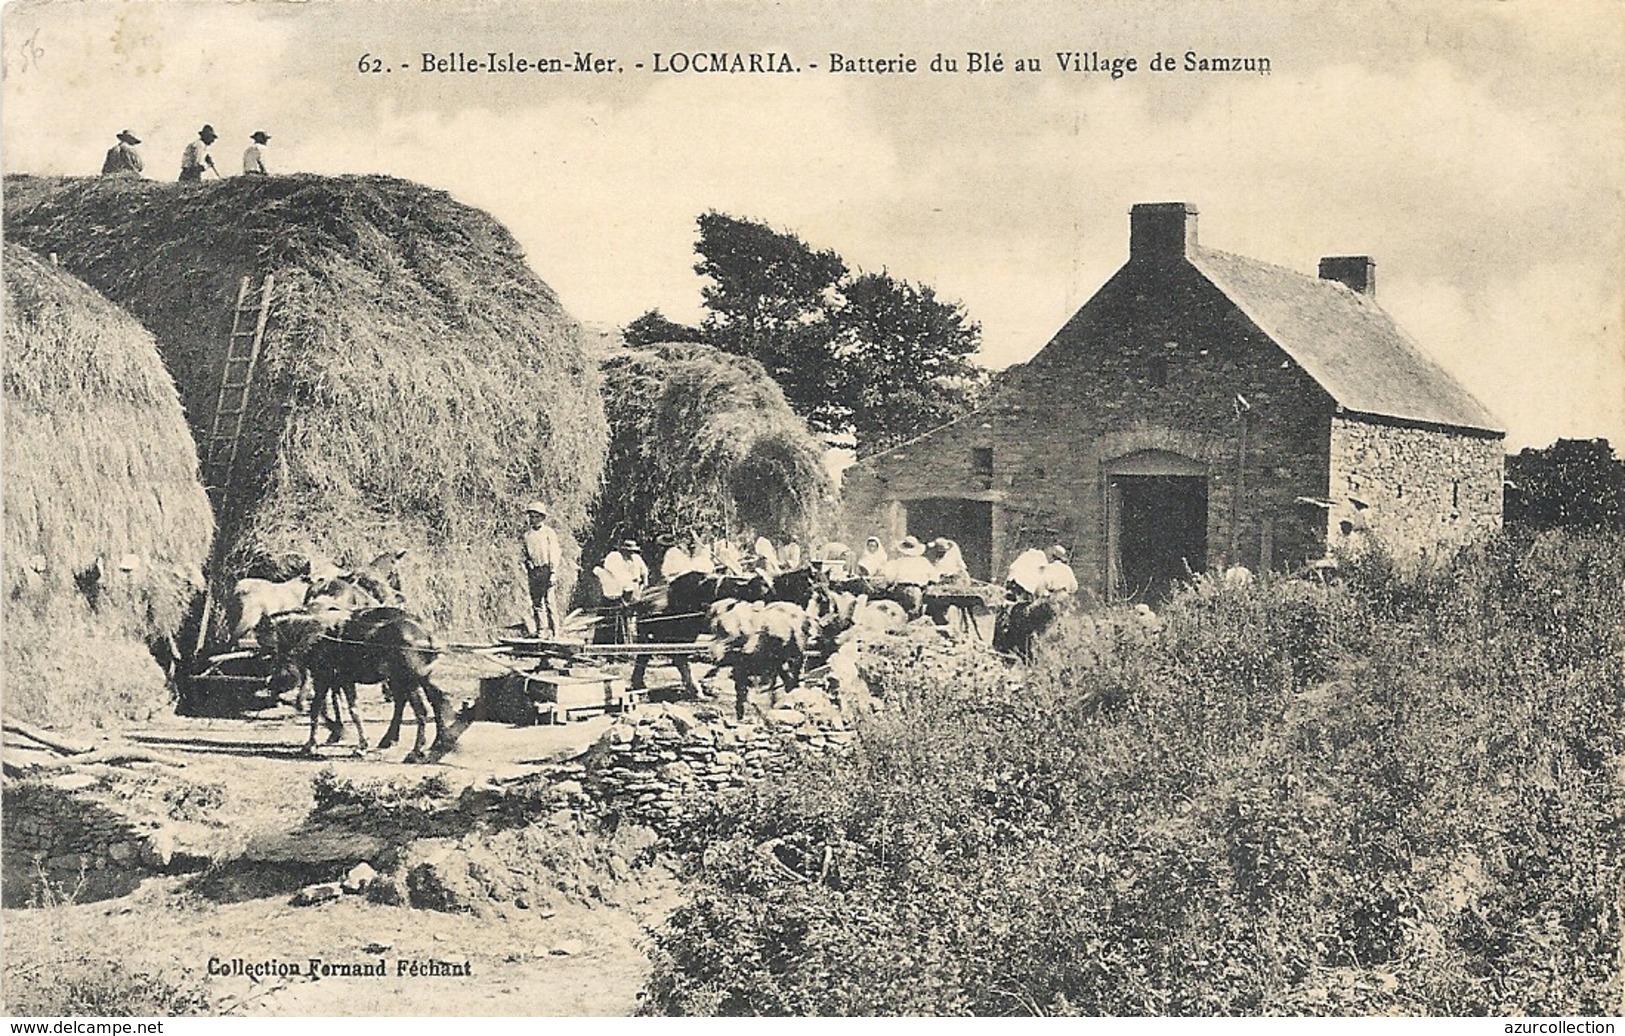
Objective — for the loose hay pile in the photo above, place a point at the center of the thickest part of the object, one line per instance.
(418, 382)
(106, 523)
(701, 438)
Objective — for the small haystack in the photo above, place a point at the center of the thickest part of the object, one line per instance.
(106, 524)
(704, 439)
(418, 382)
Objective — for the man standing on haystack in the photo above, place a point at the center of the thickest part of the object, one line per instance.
(196, 157)
(542, 558)
(122, 158)
(254, 155)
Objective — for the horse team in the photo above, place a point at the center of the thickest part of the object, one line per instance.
(334, 629)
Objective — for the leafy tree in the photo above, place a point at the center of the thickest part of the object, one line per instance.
(903, 358)
(770, 296)
(866, 352)
(653, 328)
(1571, 484)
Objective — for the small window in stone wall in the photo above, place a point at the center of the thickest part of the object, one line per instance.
(981, 461)
(1455, 495)
(1399, 491)
(1157, 372)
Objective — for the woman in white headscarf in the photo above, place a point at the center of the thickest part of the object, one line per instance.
(948, 561)
(872, 562)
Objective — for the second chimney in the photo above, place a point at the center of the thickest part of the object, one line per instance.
(1161, 229)
(1356, 272)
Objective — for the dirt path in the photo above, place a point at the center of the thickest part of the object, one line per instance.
(577, 957)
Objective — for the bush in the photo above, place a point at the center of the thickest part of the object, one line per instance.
(1397, 793)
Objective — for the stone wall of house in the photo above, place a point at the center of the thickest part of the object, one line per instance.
(1412, 488)
(1155, 361)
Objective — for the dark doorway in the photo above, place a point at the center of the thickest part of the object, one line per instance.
(1161, 532)
(967, 522)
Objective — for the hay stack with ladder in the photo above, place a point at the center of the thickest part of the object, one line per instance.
(392, 374)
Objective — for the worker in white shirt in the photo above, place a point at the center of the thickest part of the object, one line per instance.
(541, 556)
(909, 574)
(622, 578)
(254, 154)
(196, 158)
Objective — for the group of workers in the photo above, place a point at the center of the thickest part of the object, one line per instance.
(124, 160)
(623, 575)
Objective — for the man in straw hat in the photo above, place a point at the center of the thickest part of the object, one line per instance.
(910, 573)
(196, 157)
(122, 158)
(542, 558)
(254, 154)
(622, 578)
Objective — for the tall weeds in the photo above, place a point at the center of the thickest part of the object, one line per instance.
(1397, 793)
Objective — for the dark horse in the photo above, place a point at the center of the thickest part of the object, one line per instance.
(375, 645)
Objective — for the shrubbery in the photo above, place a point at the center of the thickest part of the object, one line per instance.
(1398, 793)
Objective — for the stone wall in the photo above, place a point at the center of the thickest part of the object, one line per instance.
(656, 764)
(1412, 488)
(83, 838)
(1154, 362)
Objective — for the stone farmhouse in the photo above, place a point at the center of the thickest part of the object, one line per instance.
(1202, 410)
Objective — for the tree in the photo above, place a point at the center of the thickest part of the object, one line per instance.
(770, 297)
(1571, 484)
(861, 353)
(652, 328)
(903, 359)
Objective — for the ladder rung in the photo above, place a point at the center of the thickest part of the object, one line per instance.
(242, 334)
(230, 413)
(228, 386)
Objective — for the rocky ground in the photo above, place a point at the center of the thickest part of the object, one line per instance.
(547, 916)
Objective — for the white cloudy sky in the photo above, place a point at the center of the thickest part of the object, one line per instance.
(1475, 148)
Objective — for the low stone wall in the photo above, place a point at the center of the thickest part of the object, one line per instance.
(80, 837)
(654, 765)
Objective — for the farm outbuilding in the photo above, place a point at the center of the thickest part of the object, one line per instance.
(107, 526)
(415, 382)
(1202, 410)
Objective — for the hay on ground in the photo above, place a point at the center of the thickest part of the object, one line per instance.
(418, 383)
(106, 524)
(701, 439)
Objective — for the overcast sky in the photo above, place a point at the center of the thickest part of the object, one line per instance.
(1475, 149)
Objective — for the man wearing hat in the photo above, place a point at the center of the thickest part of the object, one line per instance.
(622, 579)
(254, 154)
(122, 158)
(196, 157)
(910, 573)
(542, 557)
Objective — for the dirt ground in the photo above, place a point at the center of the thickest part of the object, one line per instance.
(575, 956)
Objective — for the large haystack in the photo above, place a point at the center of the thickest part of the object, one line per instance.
(106, 523)
(419, 383)
(704, 439)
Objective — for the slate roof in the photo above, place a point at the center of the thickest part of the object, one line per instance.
(1345, 341)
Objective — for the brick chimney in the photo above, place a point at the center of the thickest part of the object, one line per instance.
(1161, 229)
(1357, 272)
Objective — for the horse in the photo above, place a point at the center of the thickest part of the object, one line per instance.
(380, 645)
(762, 643)
(679, 613)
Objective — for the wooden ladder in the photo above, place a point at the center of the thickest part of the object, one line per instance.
(236, 379)
(231, 405)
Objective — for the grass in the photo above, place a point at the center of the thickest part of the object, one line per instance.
(1396, 794)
